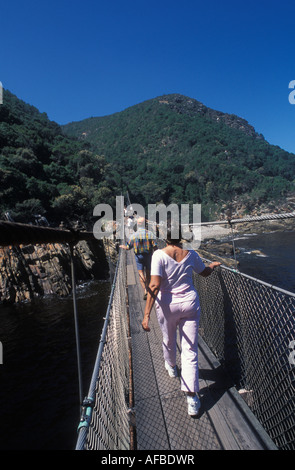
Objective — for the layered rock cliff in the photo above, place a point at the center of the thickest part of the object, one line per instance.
(30, 271)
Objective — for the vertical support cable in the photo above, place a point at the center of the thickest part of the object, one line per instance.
(233, 243)
(76, 322)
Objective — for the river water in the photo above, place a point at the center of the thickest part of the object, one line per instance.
(269, 257)
(39, 394)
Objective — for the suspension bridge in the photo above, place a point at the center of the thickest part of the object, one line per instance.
(246, 378)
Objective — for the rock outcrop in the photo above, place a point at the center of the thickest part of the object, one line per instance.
(30, 271)
(184, 105)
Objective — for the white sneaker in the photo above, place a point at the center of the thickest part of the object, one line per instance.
(193, 405)
(172, 371)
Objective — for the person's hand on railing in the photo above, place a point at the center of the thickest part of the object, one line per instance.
(209, 269)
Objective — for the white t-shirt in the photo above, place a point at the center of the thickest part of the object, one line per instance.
(177, 280)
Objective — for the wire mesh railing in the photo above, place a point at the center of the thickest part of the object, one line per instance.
(250, 326)
(104, 423)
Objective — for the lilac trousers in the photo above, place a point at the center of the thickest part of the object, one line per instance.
(184, 316)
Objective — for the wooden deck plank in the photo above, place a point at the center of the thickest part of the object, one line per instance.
(162, 423)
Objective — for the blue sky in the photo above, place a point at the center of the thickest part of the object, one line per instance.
(76, 59)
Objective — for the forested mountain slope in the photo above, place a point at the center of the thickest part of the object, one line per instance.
(168, 149)
(175, 149)
(43, 172)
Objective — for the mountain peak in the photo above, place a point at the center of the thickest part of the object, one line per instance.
(191, 107)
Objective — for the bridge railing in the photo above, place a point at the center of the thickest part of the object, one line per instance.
(250, 327)
(104, 421)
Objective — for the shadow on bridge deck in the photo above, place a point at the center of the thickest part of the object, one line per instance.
(224, 423)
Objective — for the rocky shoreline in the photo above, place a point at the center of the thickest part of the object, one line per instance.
(216, 241)
(31, 271)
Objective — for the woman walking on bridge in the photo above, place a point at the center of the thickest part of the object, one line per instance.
(177, 305)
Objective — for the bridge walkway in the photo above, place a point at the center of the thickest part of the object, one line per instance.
(224, 423)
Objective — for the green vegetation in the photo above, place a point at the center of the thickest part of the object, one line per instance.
(44, 172)
(169, 149)
(174, 149)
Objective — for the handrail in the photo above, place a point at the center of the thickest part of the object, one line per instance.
(266, 284)
(257, 218)
(13, 233)
(104, 421)
(89, 400)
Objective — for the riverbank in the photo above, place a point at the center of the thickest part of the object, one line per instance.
(217, 240)
(221, 231)
(31, 271)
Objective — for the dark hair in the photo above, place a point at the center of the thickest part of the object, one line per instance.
(172, 231)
